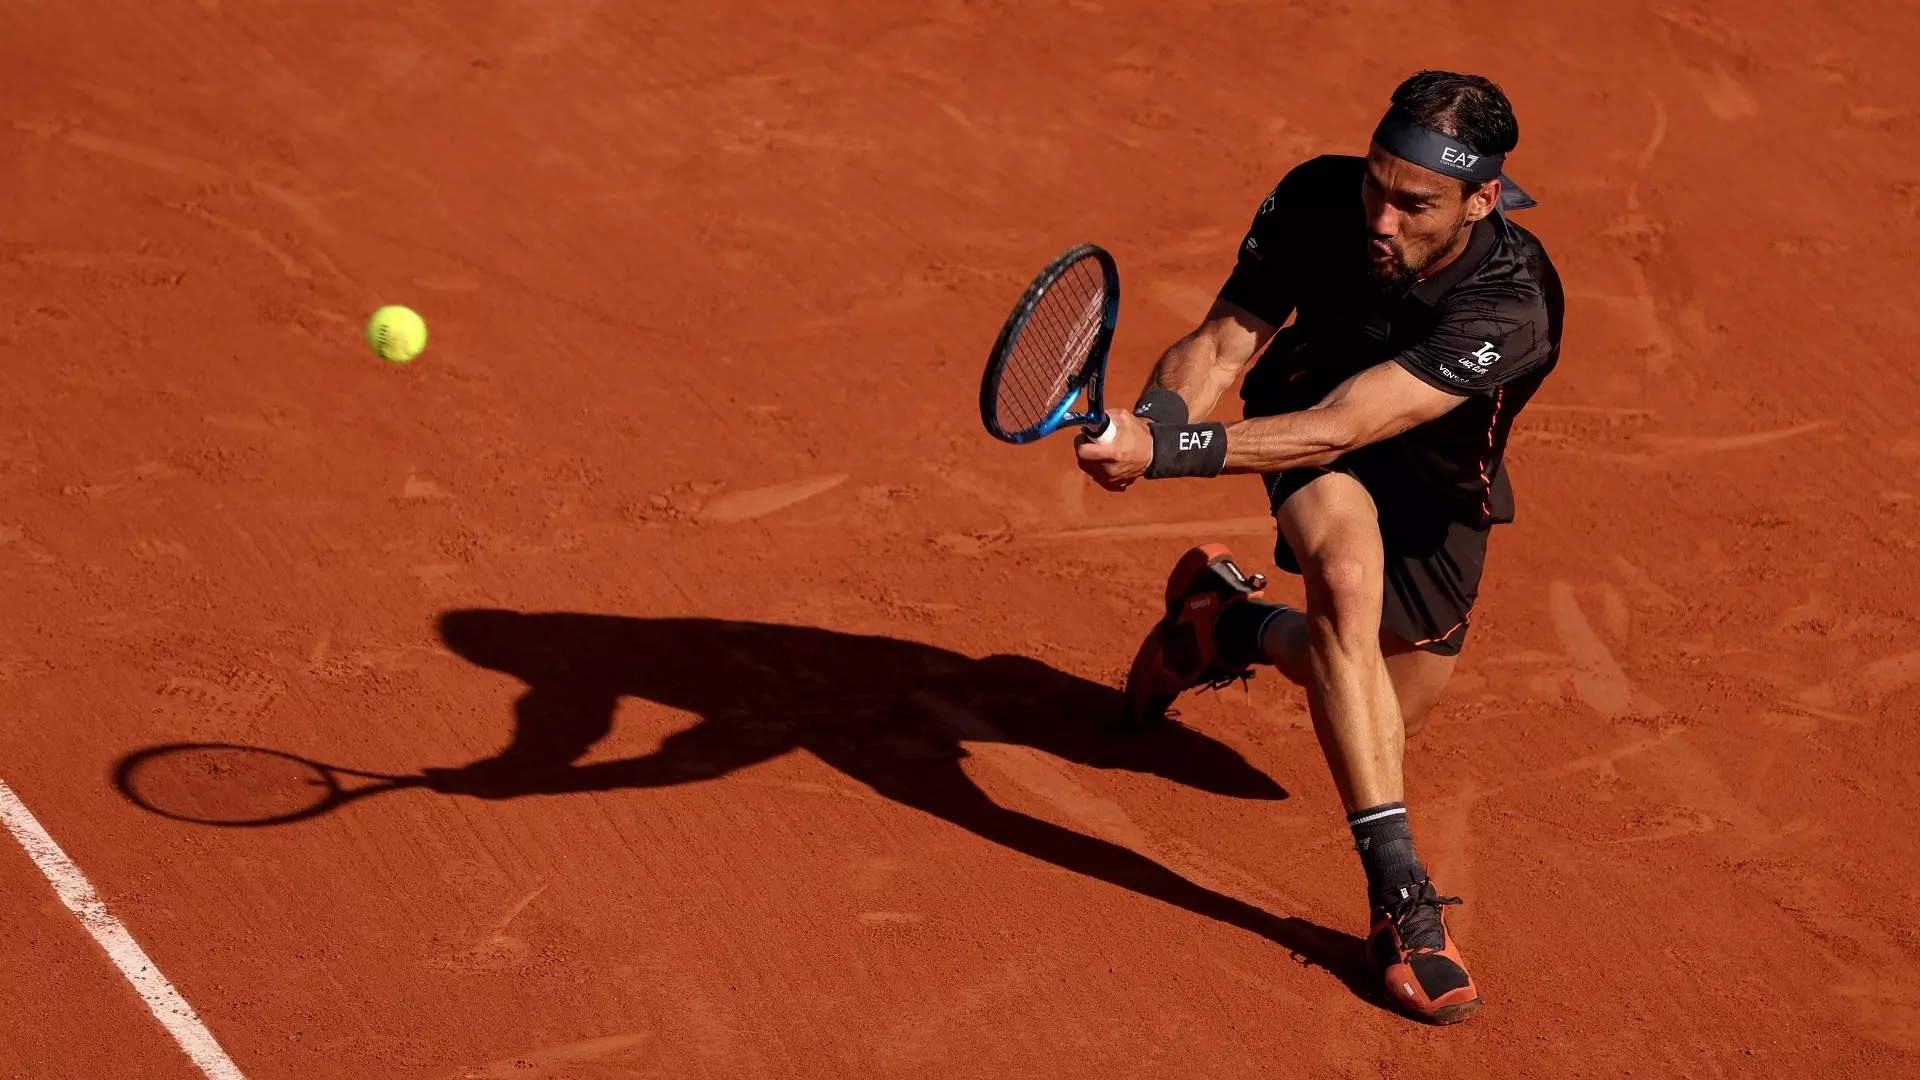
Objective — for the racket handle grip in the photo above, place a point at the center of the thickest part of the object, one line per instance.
(1105, 432)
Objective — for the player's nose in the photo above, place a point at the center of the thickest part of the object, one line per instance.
(1383, 223)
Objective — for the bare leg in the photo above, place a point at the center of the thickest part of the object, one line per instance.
(1333, 527)
(1367, 692)
(1418, 676)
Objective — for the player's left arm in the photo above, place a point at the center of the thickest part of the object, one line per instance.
(1486, 336)
(1376, 404)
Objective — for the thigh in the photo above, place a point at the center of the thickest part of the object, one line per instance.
(1333, 529)
(1331, 516)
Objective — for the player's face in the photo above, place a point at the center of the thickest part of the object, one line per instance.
(1415, 216)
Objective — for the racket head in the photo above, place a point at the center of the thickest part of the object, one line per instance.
(238, 786)
(1052, 347)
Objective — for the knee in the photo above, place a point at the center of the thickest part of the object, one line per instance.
(1345, 593)
(1344, 575)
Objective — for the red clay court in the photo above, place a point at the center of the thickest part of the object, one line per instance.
(690, 485)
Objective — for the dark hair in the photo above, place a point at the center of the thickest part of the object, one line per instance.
(1467, 107)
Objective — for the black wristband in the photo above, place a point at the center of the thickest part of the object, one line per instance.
(1161, 407)
(1187, 450)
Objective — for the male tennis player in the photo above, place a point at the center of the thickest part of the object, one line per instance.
(1424, 320)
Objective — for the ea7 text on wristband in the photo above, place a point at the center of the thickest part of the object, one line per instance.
(1187, 450)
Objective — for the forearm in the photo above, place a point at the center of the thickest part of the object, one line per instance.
(1288, 441)
(1192, 368)
(1378, 403)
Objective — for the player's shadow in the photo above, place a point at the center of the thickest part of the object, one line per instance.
(890, 714)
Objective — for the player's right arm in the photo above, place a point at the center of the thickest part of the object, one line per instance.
(1254, 302)
(1202, 365)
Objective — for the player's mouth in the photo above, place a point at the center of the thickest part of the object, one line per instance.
(1381, 251)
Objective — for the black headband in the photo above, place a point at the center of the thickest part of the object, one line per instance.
(1410, 140)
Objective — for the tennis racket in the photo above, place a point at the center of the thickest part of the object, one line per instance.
(1052, 349)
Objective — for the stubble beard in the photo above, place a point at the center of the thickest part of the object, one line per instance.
(1403, 274)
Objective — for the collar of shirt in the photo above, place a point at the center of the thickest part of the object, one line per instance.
(1486, 233)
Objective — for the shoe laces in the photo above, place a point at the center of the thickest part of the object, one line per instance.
(1228, 678)
(1416, 915)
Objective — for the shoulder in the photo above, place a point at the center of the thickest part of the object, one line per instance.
(1330, 169)
(1320, 180)
(1532, 269)
(1307, 203)
(1515, 283)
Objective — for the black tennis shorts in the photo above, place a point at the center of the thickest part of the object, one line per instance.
(1433, 562)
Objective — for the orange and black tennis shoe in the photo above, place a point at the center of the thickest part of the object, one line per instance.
(1413, 952)
(1180, 652)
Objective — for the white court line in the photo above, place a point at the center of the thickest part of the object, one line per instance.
(77, 893)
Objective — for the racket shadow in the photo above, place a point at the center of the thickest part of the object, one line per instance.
(237, 786)
(890, 714)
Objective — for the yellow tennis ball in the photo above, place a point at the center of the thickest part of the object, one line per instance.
(397, 334)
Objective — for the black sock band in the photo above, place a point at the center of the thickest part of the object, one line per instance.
(1188, 450)
(1385, 841)
(1239, 631)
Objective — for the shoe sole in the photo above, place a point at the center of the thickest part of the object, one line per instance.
(1453, 1014)
(1149, 711)
(1192, 565)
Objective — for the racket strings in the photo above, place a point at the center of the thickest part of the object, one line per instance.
(1070, 320)
(1052, 347)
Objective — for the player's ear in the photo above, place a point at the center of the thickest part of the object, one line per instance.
(1482, 201)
